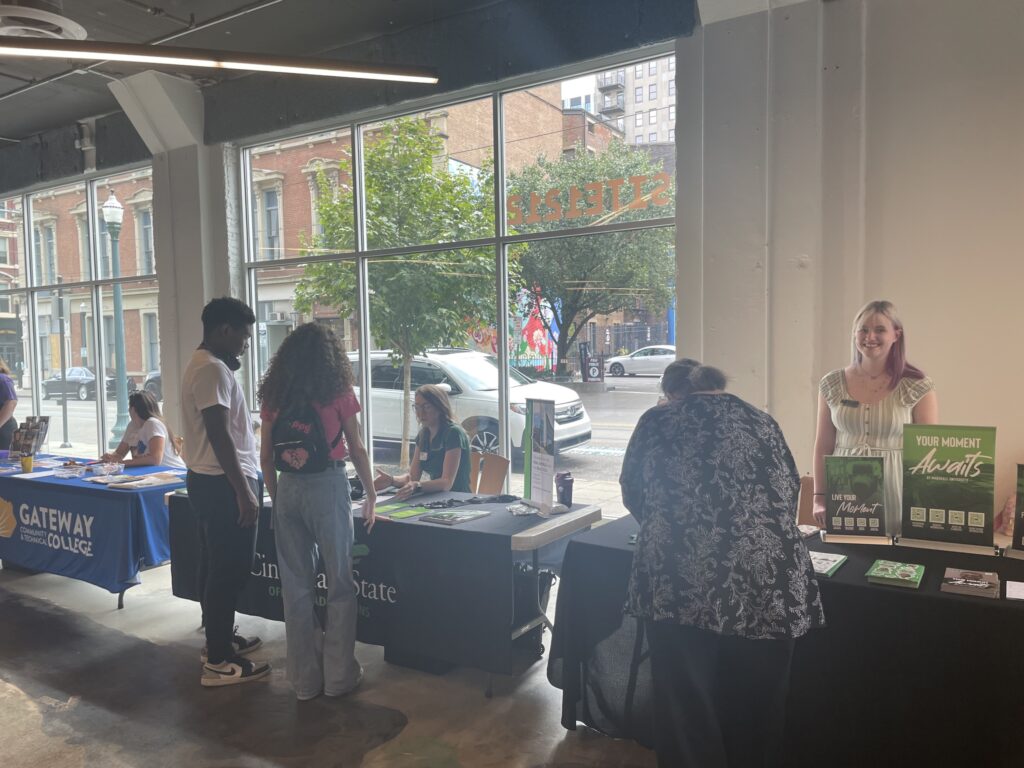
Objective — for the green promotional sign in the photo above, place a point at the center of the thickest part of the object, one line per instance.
(949, 483)
(855, 495)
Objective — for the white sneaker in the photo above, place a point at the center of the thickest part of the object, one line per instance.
(350, 689)
(233, 671)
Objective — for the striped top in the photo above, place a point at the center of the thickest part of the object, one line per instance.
(875, 430)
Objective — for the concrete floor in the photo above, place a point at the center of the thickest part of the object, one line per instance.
(83, 684)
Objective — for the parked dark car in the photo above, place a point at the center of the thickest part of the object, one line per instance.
(80, 383)
(154, 385)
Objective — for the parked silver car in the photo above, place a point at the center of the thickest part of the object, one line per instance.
(651, 360)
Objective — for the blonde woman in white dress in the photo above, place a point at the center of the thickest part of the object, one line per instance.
(862, 408)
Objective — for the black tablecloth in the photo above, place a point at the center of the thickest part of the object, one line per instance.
(920, 677)
(428, 593)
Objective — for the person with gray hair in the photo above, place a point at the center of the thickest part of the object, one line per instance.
(721, 578)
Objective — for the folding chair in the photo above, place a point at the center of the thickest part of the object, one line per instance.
(493, 468)
(474, 470)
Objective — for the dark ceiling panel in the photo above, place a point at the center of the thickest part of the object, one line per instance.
(117, 142)
(311, 27)
(59, 103)
(469, 42)
(60, 154)
(502, 40)
(20, 165)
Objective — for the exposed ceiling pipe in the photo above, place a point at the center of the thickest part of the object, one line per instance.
(236, 14)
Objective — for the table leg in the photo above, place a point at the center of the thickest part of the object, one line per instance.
(120, 599)
(541, 618)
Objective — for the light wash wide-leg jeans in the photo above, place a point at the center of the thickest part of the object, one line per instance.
(314, 512)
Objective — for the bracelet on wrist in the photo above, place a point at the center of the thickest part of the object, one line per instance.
(819, 494)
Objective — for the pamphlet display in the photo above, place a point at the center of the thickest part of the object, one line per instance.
(30, 436)
(825, 563)
(895, 574)
(854, 500)
(959, 581)
(948, 487)
(539, 454)
(455, 518)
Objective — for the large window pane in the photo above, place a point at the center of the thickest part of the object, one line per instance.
(130, 352)
(569, 168)
(14, 340)
(293, 186)
(429, 314)
(429, 177)
(288, 296)
(60, 235)
(131, 241)
(66, 371)
(623, 305)
(13, 253)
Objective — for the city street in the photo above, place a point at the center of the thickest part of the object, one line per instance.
(595, 467)
(81, 423)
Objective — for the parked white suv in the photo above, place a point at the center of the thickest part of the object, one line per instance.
(473, 381)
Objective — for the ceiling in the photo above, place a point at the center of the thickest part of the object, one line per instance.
(40, 94)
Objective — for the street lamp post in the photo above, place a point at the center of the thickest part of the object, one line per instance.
(83, 347)
(113, 213)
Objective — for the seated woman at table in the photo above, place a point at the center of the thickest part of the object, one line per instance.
(721, 578)
(862, 408)
(149, 439)
(8, 402)
(442, 450)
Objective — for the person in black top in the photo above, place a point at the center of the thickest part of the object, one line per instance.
(442, 449)
(721, 578)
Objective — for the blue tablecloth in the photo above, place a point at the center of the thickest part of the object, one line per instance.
(84, 530)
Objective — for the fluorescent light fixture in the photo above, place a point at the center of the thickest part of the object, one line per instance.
(87, 50)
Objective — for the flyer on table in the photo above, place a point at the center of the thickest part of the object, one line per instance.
(539, 453)
(854, 499)
(949, 483)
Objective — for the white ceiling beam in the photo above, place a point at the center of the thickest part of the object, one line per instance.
(167, 111)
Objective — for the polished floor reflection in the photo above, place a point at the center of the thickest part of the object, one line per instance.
(83, 684)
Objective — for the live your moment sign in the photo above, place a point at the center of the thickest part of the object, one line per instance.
(854, 501)
(949, 483)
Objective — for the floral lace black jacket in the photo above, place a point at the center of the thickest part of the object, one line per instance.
(714, 487)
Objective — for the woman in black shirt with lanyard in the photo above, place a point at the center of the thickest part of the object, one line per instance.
(442, 449)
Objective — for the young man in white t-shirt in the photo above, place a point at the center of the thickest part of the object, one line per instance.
(220, 453)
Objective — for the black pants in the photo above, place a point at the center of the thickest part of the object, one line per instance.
(7, 433)
(718, 700)
(229, 552)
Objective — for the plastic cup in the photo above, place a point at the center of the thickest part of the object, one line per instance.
(26, 463)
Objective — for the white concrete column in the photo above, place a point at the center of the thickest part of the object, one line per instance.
(195, 215)
(749, 236)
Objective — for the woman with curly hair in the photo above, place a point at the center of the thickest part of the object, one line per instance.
(313, 510)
